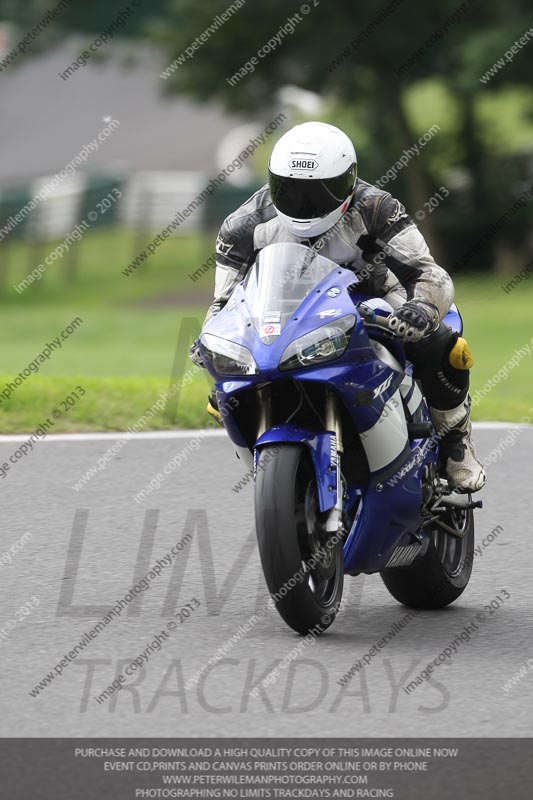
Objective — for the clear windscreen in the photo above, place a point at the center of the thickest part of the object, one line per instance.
(282, 276)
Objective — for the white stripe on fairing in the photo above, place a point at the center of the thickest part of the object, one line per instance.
(385, 440)
(415, 399)
(406, 385)
(385, 355)
(410, 389)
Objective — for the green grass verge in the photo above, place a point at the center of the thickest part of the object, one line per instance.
(109, 404)
(136, 330)
(90, 274)
(497, 325)
(108, 343)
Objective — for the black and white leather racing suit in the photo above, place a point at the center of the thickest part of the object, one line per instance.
(380, 242)
(375, 220)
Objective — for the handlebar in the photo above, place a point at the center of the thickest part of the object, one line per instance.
(371, 318)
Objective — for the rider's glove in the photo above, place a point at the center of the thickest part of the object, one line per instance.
(414, 320)
(195, 355)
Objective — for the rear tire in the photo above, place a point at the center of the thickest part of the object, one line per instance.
(441, 575)
(290, 534)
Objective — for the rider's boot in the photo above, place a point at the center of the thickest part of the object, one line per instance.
(464, 470)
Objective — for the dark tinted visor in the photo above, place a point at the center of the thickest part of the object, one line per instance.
(308, 198)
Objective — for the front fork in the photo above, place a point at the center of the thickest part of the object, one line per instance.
(333, 424)
(264, 422)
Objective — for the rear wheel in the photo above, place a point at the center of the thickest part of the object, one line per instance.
(439, 577)
(302, 564)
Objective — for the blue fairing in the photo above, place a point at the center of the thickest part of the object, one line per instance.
(319, 446)
(454, 320)
(377, 395)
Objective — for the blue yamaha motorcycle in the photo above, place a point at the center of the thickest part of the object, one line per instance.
(316, 392)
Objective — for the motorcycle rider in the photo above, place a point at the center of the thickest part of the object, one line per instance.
(314, 197)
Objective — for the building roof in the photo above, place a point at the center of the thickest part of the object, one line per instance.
(46, 120)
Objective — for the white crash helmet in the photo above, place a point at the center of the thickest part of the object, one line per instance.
(312, 174)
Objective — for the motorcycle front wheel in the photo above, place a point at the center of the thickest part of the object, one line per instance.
(302, 564)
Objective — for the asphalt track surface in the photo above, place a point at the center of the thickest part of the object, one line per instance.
(89, 547)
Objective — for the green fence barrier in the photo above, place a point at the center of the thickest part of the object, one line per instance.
(224, 201)
(14, 215)
(99, 198)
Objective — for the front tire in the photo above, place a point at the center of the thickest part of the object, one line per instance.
(441, 575)
(304, 572)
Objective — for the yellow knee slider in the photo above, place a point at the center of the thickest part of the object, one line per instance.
(460, 355)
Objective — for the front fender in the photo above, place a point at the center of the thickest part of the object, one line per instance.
(323, 449)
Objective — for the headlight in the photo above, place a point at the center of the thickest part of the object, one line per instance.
(323, 344)
(228, 358)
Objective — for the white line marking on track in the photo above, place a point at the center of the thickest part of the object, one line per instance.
(102, 437)
(187, 434)
(498, 426)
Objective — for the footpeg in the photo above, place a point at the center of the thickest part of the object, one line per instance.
(458, 500)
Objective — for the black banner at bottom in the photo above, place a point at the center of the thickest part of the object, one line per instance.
(124, 769)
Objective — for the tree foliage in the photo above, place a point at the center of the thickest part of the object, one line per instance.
(370, 63)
